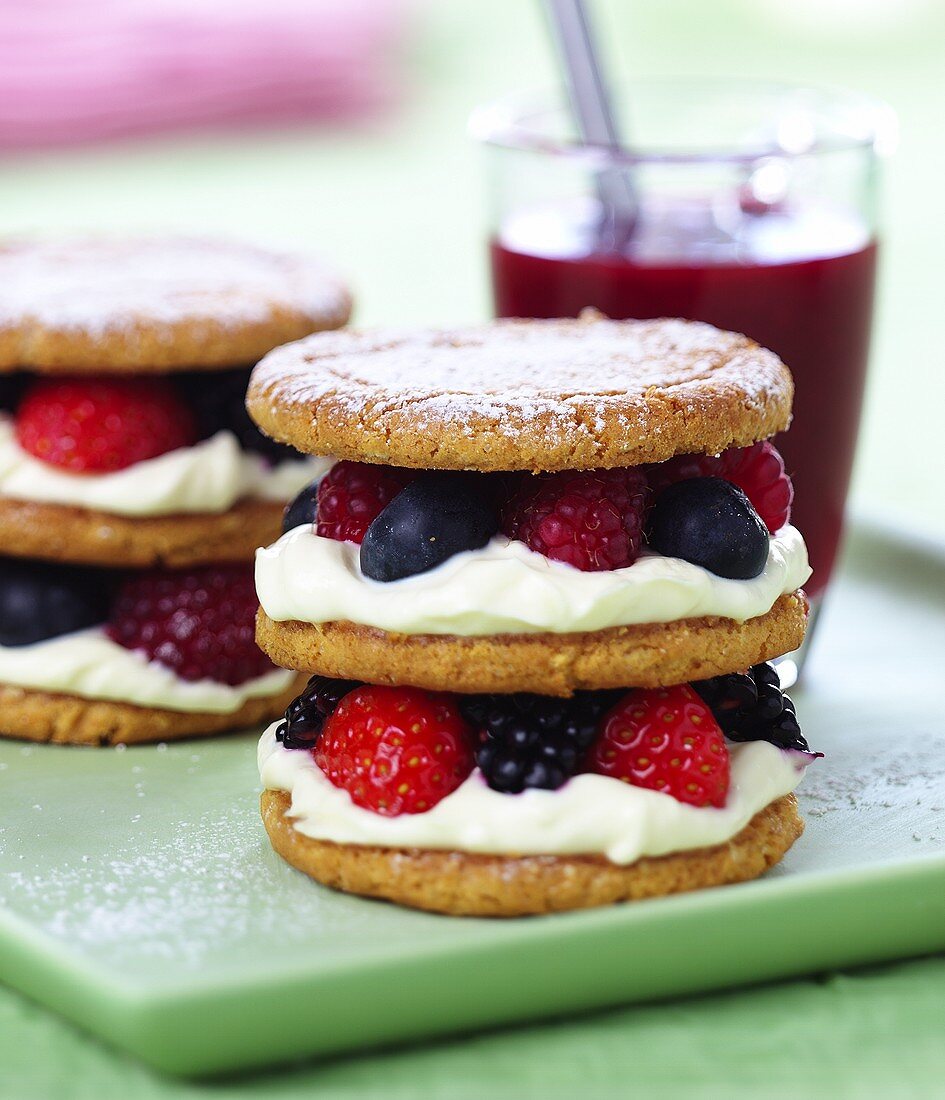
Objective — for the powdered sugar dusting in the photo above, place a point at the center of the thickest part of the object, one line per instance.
(531, 366)
(588, 388)
(100, 285)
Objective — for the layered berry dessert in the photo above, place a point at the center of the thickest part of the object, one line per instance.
(539, 588)
(133, 486)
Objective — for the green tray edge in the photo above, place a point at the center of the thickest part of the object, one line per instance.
(566, 963)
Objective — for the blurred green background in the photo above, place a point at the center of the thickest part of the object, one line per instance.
(398, 204)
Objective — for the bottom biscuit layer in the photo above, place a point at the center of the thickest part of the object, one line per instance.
(470, 884)
(70, 720)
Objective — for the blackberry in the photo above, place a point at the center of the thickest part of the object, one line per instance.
(533, 740)
(304, 717)
(750, 706)
(218, 399)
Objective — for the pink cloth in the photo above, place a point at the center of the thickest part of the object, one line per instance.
(75, 71)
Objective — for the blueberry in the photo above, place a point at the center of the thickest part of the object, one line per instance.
(711, 523)
(11, 386)
(433, 518)
(218, 399)
(39, 601)
(302, 510)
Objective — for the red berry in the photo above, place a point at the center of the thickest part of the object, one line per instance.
(591, 519)
(396, 750)
(757, 470)
(199, 622)
(353, 494)
(665, 740)
(98, 424)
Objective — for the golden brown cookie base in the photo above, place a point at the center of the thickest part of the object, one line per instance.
(151, 349)
(70, 720)
(522, 395)
(186, 315)
(651, 655)
(470, 884)
(57, 532)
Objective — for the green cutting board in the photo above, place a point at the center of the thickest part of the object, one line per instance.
(139, 896)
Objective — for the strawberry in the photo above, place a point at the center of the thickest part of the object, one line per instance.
(395, 750)
(667, 740)
(99, 424)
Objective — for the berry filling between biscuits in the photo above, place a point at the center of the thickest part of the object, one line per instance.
(462, 553)
(716, 511)
(176, 640)
(141, 446)
(623, 773)
(401, 750)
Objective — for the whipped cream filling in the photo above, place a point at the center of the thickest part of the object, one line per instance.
(591, 814)
(507, 588)
(211, 476)
(89, 664)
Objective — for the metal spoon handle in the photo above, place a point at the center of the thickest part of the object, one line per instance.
(590, 99)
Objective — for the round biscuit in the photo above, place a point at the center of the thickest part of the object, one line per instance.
(156, 304)
(522, 395)
(58, 532)
(646, 656)
(30, 715)
(471, 884)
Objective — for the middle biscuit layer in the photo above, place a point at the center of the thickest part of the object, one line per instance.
(647, 655)
(505, 619)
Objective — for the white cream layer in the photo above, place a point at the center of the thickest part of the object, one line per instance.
(589, 814)
(507, 588)
(92, 666)
(211, 476)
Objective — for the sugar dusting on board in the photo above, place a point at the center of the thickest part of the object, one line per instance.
(100, 285)
(137, 885)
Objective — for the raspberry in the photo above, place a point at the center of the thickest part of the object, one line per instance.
(395, 750)
(665, 740)
(591, 519)
(532, 740)
(304, 717)
(96, 425)
(351, 496)
(757, 470)
(198, 622)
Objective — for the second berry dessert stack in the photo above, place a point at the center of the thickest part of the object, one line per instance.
(539, 589)
(134, 489)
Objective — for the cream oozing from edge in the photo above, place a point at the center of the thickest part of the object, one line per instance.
(211, 476)
(89, 664)
(591, 814)
(507, 588)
